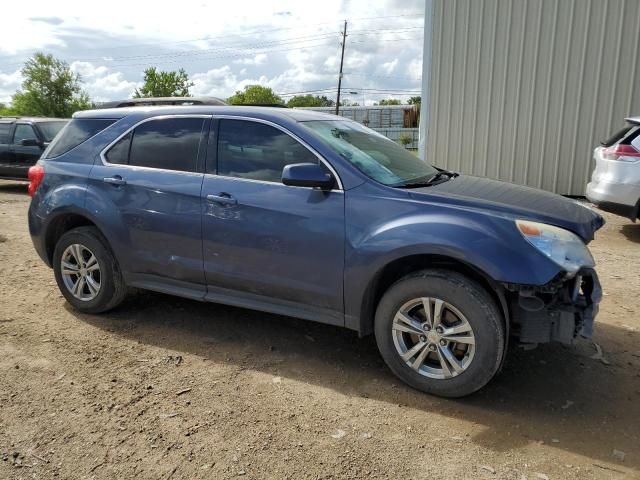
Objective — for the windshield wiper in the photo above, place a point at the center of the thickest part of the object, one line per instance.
(440, 177)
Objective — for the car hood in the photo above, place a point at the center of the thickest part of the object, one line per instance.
(517, 201)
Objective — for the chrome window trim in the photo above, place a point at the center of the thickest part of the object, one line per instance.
(106, 163)
(320, 158)
(267, 182)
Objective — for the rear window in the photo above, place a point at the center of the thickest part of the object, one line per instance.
(625, 135)
(76, 132)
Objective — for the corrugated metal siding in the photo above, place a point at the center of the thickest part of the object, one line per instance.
(523, 90)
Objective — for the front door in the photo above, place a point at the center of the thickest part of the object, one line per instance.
(152, 179)
(6, 155)
(278, 248)
(24, 156)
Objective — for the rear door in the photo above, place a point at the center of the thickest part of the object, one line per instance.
(268, 245)
(150, 180)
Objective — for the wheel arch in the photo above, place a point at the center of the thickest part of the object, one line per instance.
(400, 267)
(61, 224)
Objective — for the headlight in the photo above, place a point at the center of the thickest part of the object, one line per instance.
(562, 246)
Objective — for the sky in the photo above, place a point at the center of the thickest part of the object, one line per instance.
(289, 45)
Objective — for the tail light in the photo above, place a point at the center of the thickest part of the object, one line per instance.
(617, 152)
(36, 175)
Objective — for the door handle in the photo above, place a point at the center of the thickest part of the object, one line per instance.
(223, 199)
(115, 180)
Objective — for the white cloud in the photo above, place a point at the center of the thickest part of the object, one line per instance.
(9, 83)
(389, 67)
(293, 46)
(415, 69)
(101, 84)
(217, 82)
(259, 59)
(87, 70)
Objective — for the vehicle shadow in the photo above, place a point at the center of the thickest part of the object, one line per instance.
(18, 187)
(631, 231)
(551, 394)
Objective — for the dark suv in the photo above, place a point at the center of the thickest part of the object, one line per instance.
(22, 141)
(314, 216)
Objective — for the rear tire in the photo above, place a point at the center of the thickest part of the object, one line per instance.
(448, 329)
(87, 273)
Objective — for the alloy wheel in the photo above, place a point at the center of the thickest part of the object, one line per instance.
(80, 272)
(433, 338)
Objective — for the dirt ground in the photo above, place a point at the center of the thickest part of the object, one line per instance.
(171, 388)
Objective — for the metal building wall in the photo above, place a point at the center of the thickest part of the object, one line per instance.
(523, 90)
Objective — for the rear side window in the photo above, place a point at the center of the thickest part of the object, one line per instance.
(168, 144)
(119, 153)
(76, 132)
(257, 151)
(5, 128)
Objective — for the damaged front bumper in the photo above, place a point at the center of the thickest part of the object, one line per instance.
(559, 311)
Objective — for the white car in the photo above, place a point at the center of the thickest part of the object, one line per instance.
(615, 182)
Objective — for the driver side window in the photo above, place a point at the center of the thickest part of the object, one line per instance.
(257, 151)
(24, 132)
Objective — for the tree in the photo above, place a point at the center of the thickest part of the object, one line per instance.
(310, 101)
(405, 139)
(5, 111)
(49, 89)
(255, 94)
(415, 100)
(164, 84)
(390, 101)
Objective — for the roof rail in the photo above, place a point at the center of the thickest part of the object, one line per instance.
(160, 101)
(277, 105)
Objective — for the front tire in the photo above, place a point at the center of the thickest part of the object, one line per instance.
(86, 271)
(440, 332)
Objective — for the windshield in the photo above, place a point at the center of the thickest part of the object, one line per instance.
(372, 153)
(51, 129)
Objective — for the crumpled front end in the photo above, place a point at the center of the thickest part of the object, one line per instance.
(560, 311)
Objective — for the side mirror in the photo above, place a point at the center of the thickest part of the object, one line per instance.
(307, 175)
(30, 142)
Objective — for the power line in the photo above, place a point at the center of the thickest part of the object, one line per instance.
(367, 75)
(187, 53)
(240, 46)
(225, 36)
(250, 52)
(229, 55)
(371, 91)
(388, 30)
(390, 40)
(242, 33)
(321, 90)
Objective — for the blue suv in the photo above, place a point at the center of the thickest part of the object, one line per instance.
(313, 216)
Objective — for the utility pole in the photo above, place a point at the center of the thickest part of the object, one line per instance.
(344, 40)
